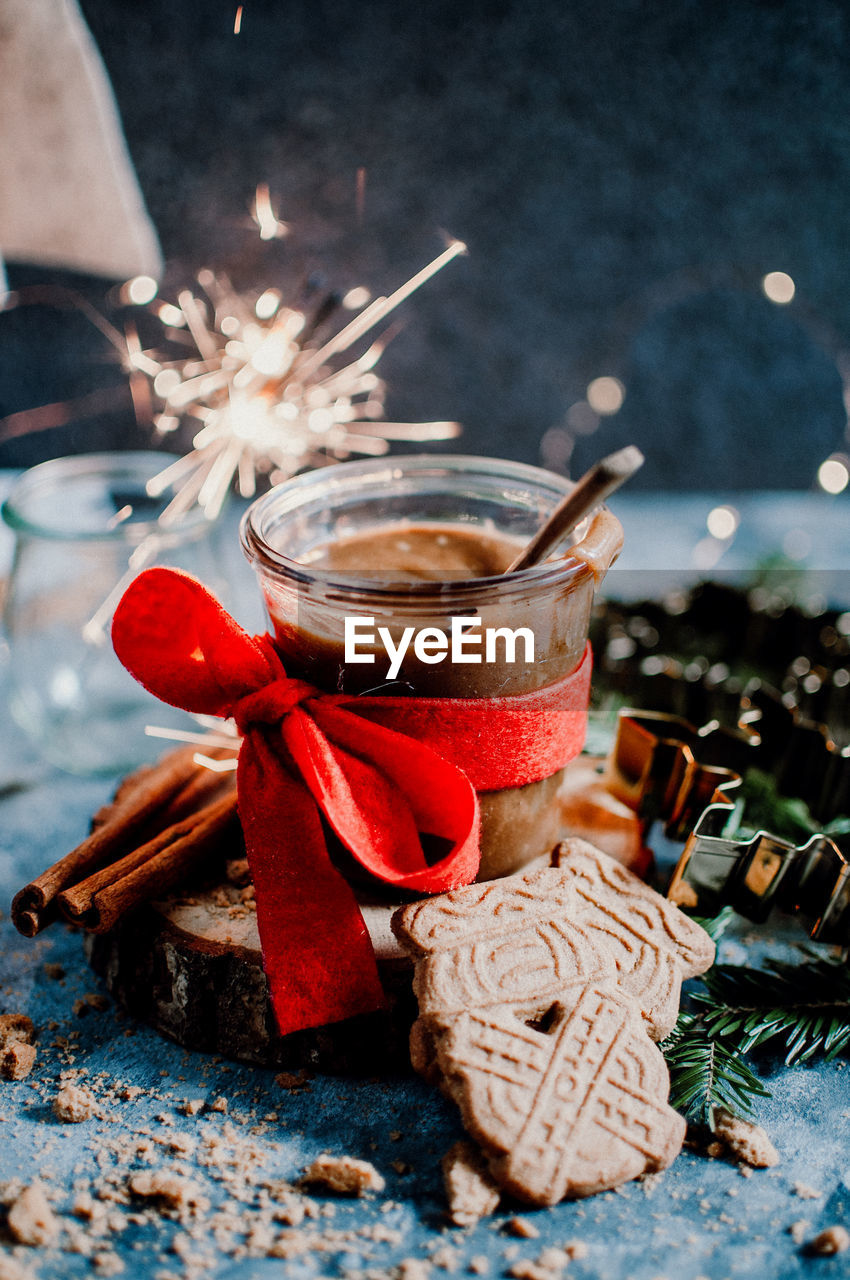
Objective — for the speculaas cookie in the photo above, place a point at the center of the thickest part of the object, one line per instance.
(537, 997)
(523, 939)
(566, 1111)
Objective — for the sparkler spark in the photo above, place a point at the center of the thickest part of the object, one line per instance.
(213, 732)
(268, 223)
(270, 397)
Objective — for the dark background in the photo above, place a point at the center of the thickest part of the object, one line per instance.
(624, 175)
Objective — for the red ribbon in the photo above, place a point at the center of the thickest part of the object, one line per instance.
(380, 771)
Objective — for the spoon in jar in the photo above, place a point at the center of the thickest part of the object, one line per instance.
(592, 489)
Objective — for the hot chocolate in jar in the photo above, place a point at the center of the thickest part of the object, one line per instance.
(387, 579)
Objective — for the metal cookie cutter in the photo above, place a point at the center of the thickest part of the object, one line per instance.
(667, 769)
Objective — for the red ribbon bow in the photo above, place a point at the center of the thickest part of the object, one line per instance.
(380, 771)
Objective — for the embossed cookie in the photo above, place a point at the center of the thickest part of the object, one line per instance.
(538, 995)
(567, 1111)
(526, 939)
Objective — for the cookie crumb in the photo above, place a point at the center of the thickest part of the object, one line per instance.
(548, 1266)
(16, 1028)
(292, 1080)
(413, 1269)
(799, 1230)
(291, 1244)
(746, 1141)
(528, 1270)
(576, 1250)
(236, 872)
(107, 1264)
(17, 1060)
(805, 1192)
(192, 1106)
(219, 1104)
(169, 1188)
(287, 1207)
(73, 1105)
(521, 1227)
(343, 1175)
(471, 1192)
(30, 1220)
(833, 1240)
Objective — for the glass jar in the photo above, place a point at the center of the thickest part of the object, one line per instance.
(83, 525)
(307, 604)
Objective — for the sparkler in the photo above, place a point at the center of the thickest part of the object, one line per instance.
(272, 393)
(272, 397)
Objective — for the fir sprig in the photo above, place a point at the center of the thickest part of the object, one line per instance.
(802, 1008)
(707, 1072)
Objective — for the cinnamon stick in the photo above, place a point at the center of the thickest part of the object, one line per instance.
(155, 796)
(98, 901)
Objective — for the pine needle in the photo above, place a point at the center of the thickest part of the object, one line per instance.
(803, 1008)
(706, 1072)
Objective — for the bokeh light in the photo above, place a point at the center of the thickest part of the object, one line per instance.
(140, 289)
(582, 419)
(706, 553)
(606, 395)
(722, 522)
(834, 475)
(267, 304)
(779, 287)
(556, 448)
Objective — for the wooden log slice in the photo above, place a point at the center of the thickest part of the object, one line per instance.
(190, 965)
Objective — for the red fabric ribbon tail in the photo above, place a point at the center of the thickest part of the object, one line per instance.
(320, 964)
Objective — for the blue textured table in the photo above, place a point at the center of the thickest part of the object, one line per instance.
(701, 1218)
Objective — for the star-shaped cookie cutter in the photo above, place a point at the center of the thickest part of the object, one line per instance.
(667, 769)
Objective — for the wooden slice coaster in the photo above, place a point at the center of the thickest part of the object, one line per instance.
(190, 965)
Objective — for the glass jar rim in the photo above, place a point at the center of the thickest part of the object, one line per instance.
(298, 489)
(146, 462)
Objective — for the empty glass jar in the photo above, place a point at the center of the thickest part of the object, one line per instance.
(83, 526)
